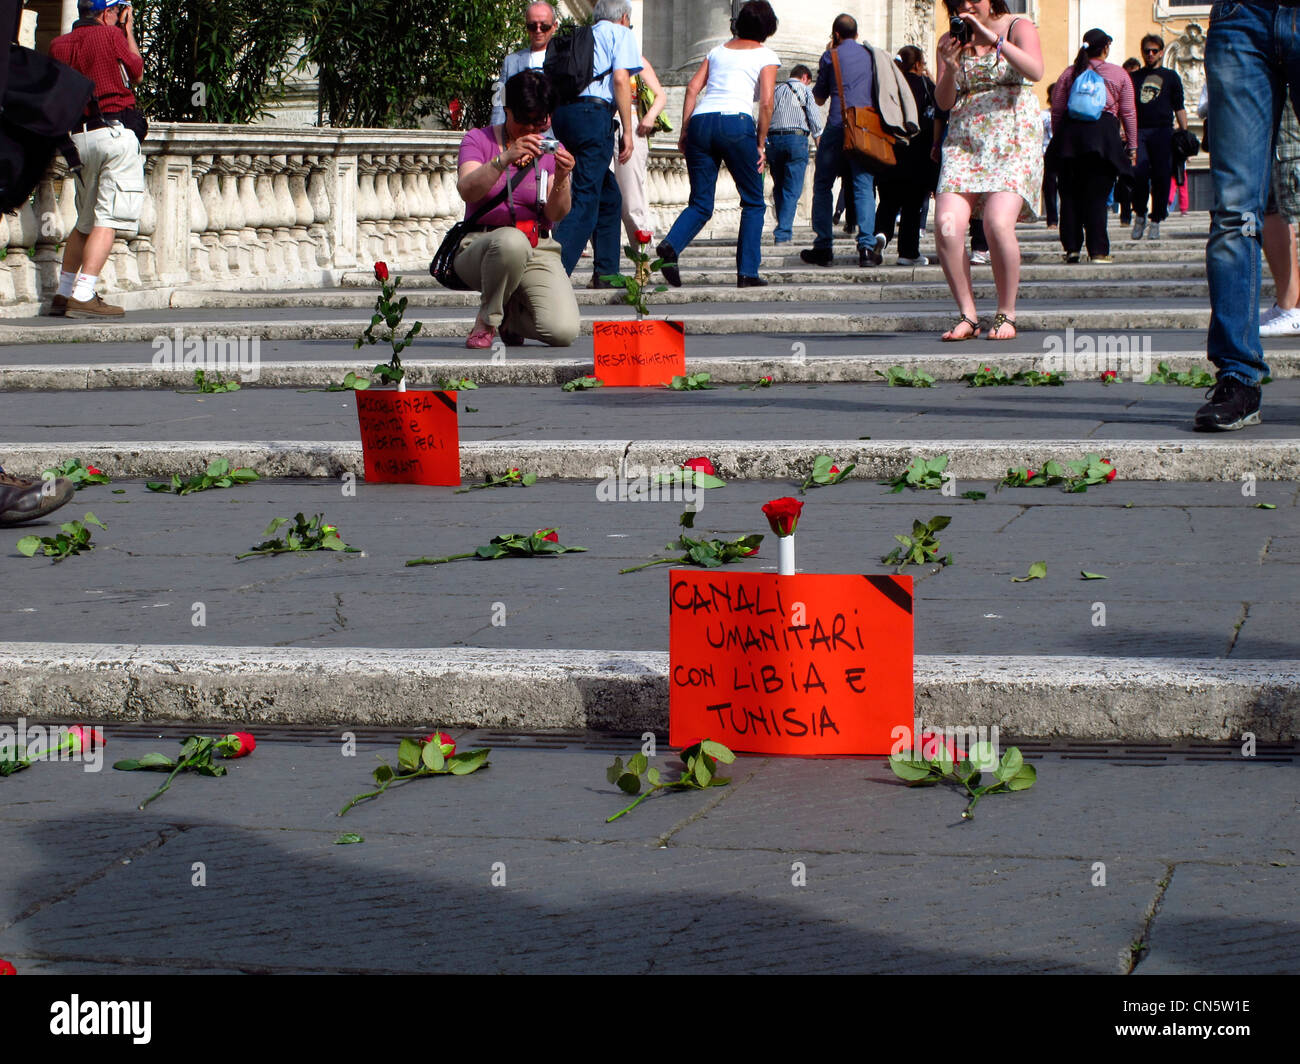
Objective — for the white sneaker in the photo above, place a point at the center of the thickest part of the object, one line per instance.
(1287, 323)
(1265, 316)
(979, 258)
(921, 261)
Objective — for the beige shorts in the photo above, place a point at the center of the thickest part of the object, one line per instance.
(110, 184)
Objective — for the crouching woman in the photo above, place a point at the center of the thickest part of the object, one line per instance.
(510, 256)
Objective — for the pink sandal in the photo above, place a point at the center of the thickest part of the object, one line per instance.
(481, 337)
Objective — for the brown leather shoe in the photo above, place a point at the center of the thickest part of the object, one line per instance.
(25, 499)
(91, 308)
(58, 307)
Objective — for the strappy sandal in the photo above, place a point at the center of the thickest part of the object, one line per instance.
(975, 331)
(999, 320)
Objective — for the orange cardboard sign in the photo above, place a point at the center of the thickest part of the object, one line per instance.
(807, 664)
(410, 437)
(638, 353)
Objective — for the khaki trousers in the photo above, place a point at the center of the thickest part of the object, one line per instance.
(631, 177)
(525, 288)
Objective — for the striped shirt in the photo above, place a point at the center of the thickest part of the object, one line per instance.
(795, 109)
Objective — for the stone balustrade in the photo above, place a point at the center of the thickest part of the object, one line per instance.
(248, 208)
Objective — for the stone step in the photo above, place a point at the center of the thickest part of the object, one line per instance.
(783, 288)
(1029, 696)
(719, 318)
(525, 370)
(1178, 458)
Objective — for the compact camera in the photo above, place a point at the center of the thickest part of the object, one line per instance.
(959, 30)
(549, 144)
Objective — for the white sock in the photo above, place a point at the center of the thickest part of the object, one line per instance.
(85, 287)
(66, 281)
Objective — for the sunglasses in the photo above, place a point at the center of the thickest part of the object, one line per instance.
(539, 27)
(1152, 51)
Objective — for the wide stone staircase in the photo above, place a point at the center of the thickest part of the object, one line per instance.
(1191, 636)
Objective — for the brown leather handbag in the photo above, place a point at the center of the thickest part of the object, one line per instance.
(864, 133)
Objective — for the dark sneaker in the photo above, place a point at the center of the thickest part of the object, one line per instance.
(872, 256)
(91, 308)
(25, 499)
(58, 306)
(1232, 405)
(750, 282)
(509, 337)
(669, 268)
(817, 256)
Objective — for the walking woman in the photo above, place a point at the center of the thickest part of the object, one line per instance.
(993, 156)
(720, 128)
(1087, 152)
(905, 189)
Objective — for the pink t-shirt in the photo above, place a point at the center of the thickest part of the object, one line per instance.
(481, 146)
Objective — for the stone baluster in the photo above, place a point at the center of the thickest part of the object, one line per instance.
(23, 233)
(51, 230)
(302, 216)
(318, 196)
(403, 226)
(7, 294)
(369, 246)
(387, 211)
(201, 195)
(455, 205)
(437, 191)
(142, 253)
(264, 218)
(417, 212)
(286, 215)
(238, 252)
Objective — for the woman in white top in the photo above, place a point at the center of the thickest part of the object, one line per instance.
(721, 129)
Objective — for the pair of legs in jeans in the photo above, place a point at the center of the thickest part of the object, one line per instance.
(586, 128)
(830, 158)
(787, 155)
(711, 140)
(1252, 54)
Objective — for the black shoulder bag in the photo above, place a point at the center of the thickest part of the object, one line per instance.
(443, 266)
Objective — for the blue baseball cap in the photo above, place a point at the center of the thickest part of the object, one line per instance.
(94, 7)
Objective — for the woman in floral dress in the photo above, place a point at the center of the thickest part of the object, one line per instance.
(992, 158)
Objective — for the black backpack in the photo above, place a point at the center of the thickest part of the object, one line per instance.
(569, 63)
(43, 100)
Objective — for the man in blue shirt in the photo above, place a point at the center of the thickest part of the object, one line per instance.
(857, 68)
(586, 127)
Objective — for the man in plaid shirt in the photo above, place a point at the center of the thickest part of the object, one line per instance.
(110, 184)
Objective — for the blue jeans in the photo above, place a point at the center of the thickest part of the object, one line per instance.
(787, 155)
(830, 158)
(712, 139)
(1252, 53)
(586, 128)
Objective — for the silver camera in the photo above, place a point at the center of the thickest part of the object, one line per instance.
(549, 144)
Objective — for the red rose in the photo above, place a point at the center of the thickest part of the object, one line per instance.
(834, 469)
(751, 552)
(644, 236)
(445, 742)
(783, 515)
(94, 472)
(1113, 471)
(768, 379)
(551, 535)
(381, 271)
(7, 969)
(932, 742)
(1030, 474)
(700, 465)
(1109, 375)
(86, 738)
(243, 744)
